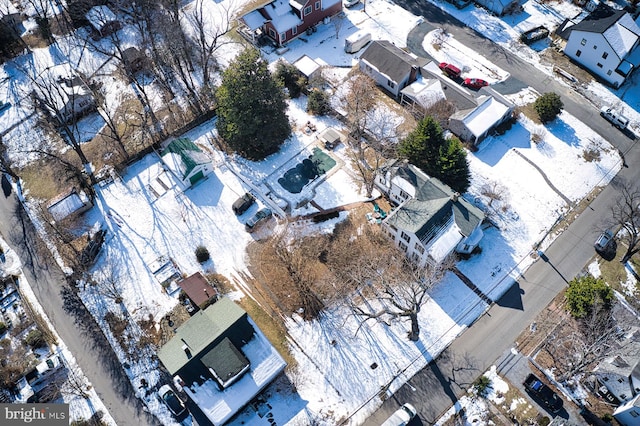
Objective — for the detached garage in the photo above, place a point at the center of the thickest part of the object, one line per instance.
(187, 162)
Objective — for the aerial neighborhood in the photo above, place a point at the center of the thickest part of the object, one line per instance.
(320, 212)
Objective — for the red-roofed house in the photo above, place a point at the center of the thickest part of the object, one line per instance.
(284, 20)
(198, 290)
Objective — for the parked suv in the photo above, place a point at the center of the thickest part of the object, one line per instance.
(171, 400)
(256, 219)
(604, 241)
(243, 203)
(450, 70)
(401, 417)
(615, 117)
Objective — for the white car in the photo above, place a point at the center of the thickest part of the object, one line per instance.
(401, 417)
(614, 117)
(350, 3)
(171, 400)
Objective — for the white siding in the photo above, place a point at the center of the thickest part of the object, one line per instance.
(590, 55)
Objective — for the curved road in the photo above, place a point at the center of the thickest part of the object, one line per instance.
(73, 324)
(438, 386)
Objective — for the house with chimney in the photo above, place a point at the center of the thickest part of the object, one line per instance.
(281, 21)
(430, 220)
(221, 360)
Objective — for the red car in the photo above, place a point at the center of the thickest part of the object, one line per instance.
(450, 70)
(475, 83)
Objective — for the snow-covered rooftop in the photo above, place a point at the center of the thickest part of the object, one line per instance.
(485, 116)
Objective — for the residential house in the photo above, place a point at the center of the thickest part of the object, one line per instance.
(604, 42)
(11, 30)
(221, 360)
(186, 161)
(500, 7)
(618, 376)
(628, 414)
(198, 290)
(68, 203)
(133, 60)
(389, 66)
(430, 219)
(103, 20)
(283, 20)
(476, 113)
(64, 94)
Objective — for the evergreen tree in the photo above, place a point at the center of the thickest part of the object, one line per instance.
(445, 159)
(548, 106)
(318, 102)
(584, 293)
(252, 117)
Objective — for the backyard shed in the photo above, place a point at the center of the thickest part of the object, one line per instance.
(186, 161)
(68, 203)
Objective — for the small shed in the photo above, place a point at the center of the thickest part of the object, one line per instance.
(198, 290)
(307, 66)
(186, 161)
(68, 203)
(133, 60)
(330, 138)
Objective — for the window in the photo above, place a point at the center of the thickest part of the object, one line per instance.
(578, 53)
(415, 257)
(620, 380)
(418, 247)
(599, 65)
(595, 47)
(604, 55)
(317, 5)
(634, 413)
(391, 84)
(283, 37)
(609, 72)
(403, 246)
(403, 195)
(623, 396)
(294, 30)
(307, 10)
(272, 33)
(584, 41)
(405, 236)
(394, 228)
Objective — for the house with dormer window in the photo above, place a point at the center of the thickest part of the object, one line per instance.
(283, 20)
(430, 220)
(605, 43)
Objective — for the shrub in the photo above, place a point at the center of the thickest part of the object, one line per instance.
(482, 386)
(202, 254)
(3, 327)
(585, 292)
(318, 102)
(548, 106)
(35, 339)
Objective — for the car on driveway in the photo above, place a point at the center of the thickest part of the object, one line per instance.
(615, 117)
(604, 241)
(243, 203)
(450, 70)
(475, 83)
(171, 400)
(350, 3)
(257, 219)
(401, 417)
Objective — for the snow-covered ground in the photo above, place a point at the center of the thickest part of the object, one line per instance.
(331, 357)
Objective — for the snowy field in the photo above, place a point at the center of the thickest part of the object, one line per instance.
(331, 356)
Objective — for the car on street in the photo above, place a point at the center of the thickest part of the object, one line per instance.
(243, 203)
(350, 3)
(450, 70)
(171, 400)
(604, 241)
(401, 417)
(475, 83)
(257, 219)
(615, 117)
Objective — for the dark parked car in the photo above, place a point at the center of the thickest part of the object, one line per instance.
(450, 70)
(171, 400)
(543, 393)
(256, 219)
(475, 83)
(243, 203)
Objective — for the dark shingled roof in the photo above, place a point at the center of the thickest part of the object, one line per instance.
(390, 60)
(226, 362)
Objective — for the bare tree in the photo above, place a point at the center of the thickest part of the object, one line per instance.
(358, 101)
(76, 383)
(494, 191)
(108, 283)
(338, 23)
(627, 216)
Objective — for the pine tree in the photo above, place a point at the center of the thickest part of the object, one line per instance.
(445, 159)
(252, 117)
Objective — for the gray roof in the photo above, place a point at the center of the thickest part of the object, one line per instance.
(456, 94)
(198, 332)
(225, 360)
(599, 20)
(390, 60)
(432, 206)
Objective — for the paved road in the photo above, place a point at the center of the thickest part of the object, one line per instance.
(74, 324)
(437, 387)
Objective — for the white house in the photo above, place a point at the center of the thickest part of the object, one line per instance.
(430, 219)
(186, 161)
(618, 376)
(500, 7)
(64, 94)
(628, 414)
(389, 66)
(103, 20)
(605, 43)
